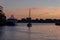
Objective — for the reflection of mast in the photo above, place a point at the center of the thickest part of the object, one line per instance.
(29, 34)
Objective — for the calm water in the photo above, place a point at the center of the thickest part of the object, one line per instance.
(37, 32)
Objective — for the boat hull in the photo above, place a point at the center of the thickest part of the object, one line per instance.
(29, 25)
(10, 23)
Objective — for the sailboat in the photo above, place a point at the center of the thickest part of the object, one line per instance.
(29, 19)
(11, 21)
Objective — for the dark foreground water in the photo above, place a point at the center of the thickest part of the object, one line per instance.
(37, 32)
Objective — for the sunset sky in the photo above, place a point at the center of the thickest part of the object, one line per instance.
(39, 8)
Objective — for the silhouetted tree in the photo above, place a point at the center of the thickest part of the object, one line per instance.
(2, 17)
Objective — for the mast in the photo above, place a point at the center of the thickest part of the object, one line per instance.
(29, 13)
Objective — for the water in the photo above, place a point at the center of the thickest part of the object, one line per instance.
(37, 32)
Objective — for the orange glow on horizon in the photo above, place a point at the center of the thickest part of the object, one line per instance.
(35, 13)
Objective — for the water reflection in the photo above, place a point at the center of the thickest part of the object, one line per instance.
(1, 33)
(29, 34)
(10, 33)
(37, 32)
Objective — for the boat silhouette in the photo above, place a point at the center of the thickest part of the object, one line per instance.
(11, 21)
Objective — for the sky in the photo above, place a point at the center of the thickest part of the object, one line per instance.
(39, 8)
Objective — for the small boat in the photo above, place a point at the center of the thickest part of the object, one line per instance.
(57, 23)
(29, 25)
(11, 21)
